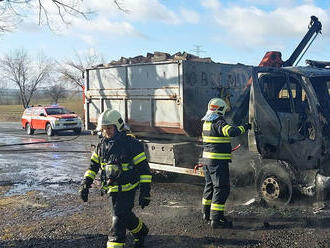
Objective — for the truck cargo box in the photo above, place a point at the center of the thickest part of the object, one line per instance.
(164, 97)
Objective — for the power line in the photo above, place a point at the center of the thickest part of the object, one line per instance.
(198, 50)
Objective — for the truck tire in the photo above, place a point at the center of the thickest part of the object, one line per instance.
(49, 130)
(28, 129)
(274, 185)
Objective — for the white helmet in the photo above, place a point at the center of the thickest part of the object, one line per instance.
(217, 105)
(110, 117)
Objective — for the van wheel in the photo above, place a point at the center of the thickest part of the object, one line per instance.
(274, 185)
(49, 130)
(28, 129)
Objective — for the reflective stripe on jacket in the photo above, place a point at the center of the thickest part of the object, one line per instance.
(217, 140)
(126, 154)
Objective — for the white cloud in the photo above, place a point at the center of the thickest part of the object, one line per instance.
(28, 26)
(190, 16)
(250, 27)
(90, 40)
(102, 25)
(136, 10)
(211, 4)
(278, 3)
(113, 21)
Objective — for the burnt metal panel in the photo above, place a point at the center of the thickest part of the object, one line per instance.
(283, 130)
(203, 81)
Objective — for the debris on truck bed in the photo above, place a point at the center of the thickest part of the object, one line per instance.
(156, 57)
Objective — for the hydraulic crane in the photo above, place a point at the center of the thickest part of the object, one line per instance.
(274, 59)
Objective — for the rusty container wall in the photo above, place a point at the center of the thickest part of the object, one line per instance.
(105, 88)
(145, 94)
(165, 97)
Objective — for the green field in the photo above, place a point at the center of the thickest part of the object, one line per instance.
(13, 113)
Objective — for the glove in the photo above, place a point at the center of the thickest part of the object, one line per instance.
(83, 191)
(247, 126)
(144, 200)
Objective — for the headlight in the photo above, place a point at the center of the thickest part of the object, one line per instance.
(57, 122)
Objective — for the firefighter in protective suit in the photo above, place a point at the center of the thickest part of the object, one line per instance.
(216, 157)
(124, 169)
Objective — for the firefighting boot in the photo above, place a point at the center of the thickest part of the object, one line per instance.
(139, 237)
(221, 223)
(206, 213)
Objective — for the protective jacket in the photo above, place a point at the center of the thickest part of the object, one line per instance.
(217, 140)
(123, 153)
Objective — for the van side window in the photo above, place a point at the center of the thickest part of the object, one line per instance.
(276, 93)
(36, 112)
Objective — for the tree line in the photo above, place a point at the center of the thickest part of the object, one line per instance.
(21, 71)
(27, 74)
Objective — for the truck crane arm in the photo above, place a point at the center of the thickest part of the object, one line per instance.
(273, 59)
(315, 28)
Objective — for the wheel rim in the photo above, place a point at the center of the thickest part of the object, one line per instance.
(276, 191)
(270, 188)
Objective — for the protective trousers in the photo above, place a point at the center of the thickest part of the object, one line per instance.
(216, 190)
(123, 218)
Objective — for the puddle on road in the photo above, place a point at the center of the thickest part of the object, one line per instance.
(46, 167)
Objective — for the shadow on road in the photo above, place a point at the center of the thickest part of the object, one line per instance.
(280, 223)
(152, 241)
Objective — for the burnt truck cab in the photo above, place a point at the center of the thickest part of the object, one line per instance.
(289, 112)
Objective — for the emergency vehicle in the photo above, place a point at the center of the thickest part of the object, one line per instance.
(52, 119)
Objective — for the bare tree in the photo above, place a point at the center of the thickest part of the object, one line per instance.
(72, 70)
(56, 92)
(24, 73)
(13, 12)
(3, 87)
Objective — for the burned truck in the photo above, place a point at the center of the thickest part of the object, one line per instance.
(163, 103)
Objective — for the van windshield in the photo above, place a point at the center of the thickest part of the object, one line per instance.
(56, 111)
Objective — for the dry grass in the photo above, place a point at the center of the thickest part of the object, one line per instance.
(13, 113)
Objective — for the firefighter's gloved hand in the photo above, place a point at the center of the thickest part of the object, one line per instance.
(83, 191)
(247, 126)
(144, 200)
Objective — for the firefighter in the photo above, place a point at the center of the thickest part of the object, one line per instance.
(216, 157)
(124, 169)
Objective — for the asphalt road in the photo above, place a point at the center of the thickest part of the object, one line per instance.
(40, 207)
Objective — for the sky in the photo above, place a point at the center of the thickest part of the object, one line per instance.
(239, 31)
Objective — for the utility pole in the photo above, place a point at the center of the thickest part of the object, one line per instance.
(198, 50)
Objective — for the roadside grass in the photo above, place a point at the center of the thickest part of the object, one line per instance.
(13, 113)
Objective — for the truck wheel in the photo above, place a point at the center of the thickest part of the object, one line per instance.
(77, 130)
(49, 130)
(274, 185)
(28, 129)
